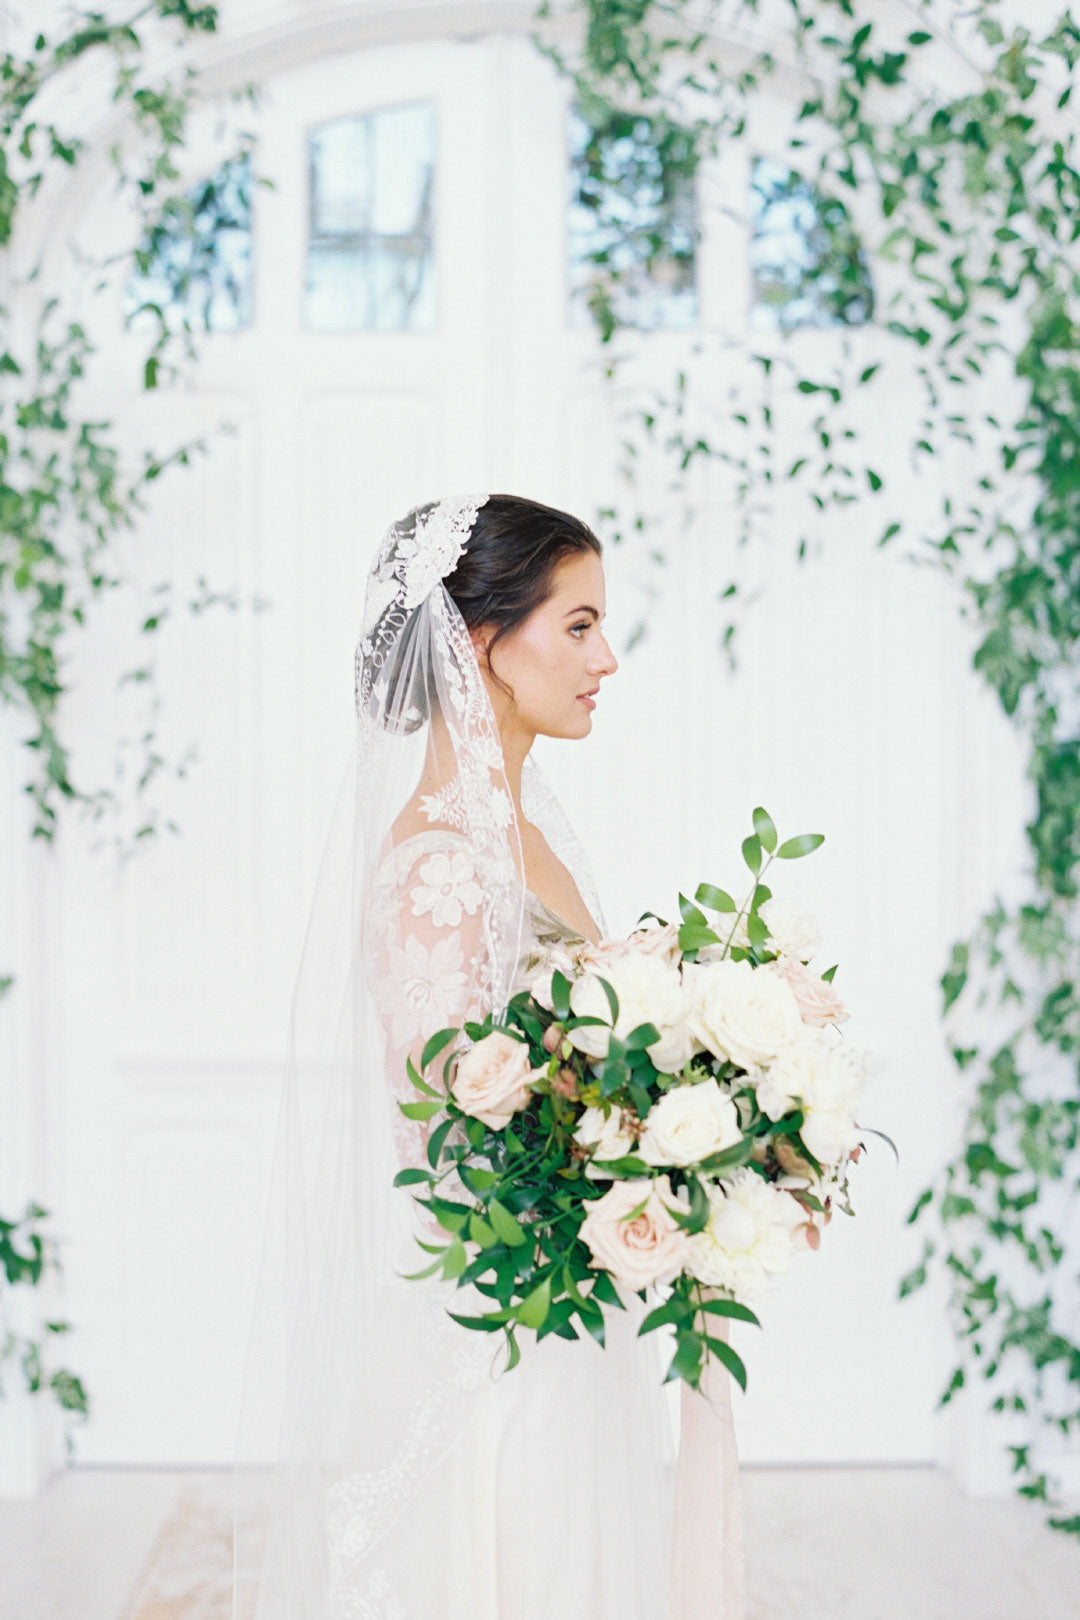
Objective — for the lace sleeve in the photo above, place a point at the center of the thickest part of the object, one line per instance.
(431, 964)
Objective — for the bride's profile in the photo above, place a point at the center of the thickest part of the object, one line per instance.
(410, 1473)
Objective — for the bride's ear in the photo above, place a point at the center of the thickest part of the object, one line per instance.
(480, 636)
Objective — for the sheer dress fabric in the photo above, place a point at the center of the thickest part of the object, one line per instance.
(557, 1498)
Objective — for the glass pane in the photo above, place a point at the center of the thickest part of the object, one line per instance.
(341, 177)
(370, 250)
(807, 262)
(632, 215)
(195, 264)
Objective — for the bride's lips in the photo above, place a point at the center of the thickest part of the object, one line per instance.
(587, 697)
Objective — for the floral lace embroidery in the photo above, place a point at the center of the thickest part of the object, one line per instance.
(449, 887)
(415, 555)
(423, 989)
(361, 1508)
(446, 805)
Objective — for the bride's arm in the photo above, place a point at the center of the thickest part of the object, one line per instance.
(432, 974)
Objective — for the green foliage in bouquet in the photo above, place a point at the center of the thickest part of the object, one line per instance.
(527, 1221)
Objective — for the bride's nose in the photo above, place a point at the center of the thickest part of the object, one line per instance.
(605, 662)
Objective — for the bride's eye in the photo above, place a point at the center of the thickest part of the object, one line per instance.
(583, 626)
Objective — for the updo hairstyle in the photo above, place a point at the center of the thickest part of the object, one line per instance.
(502, 576)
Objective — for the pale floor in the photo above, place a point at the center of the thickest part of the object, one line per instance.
(822, 1544)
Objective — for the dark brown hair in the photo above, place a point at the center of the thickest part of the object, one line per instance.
(507, 567)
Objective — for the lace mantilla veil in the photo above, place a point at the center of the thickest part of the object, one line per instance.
(356, 1381)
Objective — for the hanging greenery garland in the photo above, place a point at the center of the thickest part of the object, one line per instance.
(67, 492)
(66, 495)
(936, 147)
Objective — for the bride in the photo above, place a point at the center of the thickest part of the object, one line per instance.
(412, 1475)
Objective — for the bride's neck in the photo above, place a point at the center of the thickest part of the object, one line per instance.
(440, 768)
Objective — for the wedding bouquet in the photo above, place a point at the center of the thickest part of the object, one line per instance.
(674, 1112)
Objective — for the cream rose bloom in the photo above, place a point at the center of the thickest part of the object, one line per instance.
(741, 1012)
(492, 1079)
(649, 990)
(651, 1247)
(750, 1237)
(687, 1124)
(793, 931)
(819, 1003)
(609, 1137)
(824, 1075)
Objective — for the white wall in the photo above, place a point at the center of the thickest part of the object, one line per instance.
(854, 713)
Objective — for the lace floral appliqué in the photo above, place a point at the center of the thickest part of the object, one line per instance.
(447, 887)
(423, 992)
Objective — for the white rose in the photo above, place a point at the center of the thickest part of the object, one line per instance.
(648, 1249)
(741, 1012)
(824, 1076)
(608, 1135)
(492, 1078)
(793, 931)
(688, 1123)
(750, 1236)
(649, 990)
(829, 1134)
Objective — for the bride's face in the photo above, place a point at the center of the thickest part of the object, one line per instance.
(556, 658)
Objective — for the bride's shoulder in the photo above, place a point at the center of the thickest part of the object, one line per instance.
(416, 835)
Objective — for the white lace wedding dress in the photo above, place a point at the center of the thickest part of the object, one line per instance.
(556, 1497)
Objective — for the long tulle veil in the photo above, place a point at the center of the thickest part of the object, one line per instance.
(356, 1381)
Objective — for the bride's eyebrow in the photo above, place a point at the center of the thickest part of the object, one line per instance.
(584, 608)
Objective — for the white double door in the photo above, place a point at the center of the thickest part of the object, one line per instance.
(176, 974)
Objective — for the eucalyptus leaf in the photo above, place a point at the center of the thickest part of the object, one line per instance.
(803, 844)
(435, 1045)
(764, 829)
(751, 850)
(534, 1307)
(505, 1224)
(716, 899)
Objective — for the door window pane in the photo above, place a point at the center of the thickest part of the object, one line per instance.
(632, 214)
(194, 265)
(370, 258)
(807, 262)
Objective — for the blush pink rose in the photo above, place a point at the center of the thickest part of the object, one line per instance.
(662, 941)
(818, 1002)
(492, 1079)
(647, 1249)
(596, 957)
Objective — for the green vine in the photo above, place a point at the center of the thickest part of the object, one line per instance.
(966, 205)
(67, 493)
